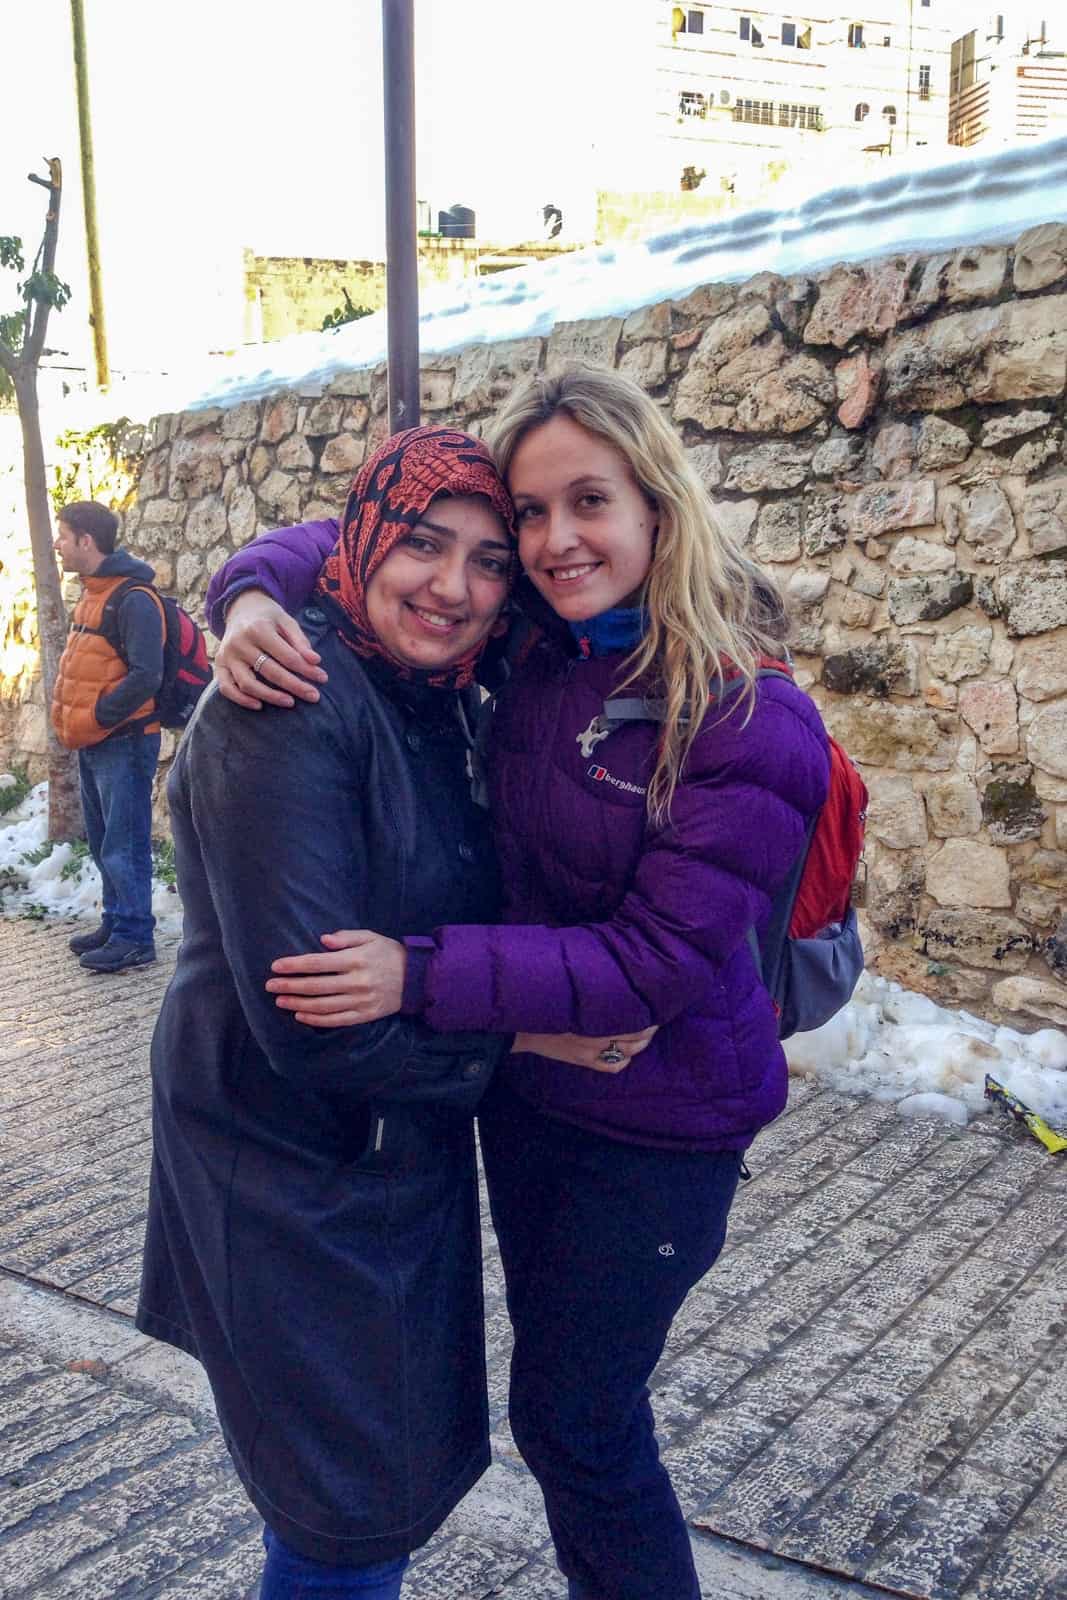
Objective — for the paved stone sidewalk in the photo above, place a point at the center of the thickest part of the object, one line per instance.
(870, 1384)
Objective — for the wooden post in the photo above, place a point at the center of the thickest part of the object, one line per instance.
(401, 264)
(92, 243)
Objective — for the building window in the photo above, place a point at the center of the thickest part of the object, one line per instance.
(694, 22)
(749, 31)
(761, 111)
(855, 35)
(890, 115)
(924, 83)
(924, 2)
(796, 35)
(887, 40)
(692, 104)
(794, 116)
(862, 111)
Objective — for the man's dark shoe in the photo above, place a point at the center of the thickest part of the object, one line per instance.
(118, 955)
(82, 943)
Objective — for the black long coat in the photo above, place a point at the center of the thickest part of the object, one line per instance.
(313, 1230)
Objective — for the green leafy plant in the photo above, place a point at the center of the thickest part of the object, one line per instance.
(79, 854)
(163, 864)
(349, 312)
(33, 858)
(15, 793)
(33, 911)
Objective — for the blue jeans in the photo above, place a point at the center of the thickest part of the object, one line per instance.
(116, 786)
(600, 1243)
(291, 1576)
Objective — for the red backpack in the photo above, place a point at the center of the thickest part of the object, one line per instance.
(186, 668)
(809, 955)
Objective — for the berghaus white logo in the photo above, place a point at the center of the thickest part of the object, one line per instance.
(602, 775)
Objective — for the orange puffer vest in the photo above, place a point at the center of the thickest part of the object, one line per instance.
(91, 667)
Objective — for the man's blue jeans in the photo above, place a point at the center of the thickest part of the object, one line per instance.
(116, 786)
(291, 1576)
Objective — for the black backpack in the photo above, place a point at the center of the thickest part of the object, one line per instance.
(186, 668)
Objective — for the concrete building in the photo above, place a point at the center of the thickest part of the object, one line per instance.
(1008, 81)
(747, 94)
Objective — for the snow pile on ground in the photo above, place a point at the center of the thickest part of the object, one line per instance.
(894, 1045)
(64, 882)
(970, 197)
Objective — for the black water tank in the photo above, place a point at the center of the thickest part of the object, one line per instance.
(456, 223)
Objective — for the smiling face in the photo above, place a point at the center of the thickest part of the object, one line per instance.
(586, 529)
(440, 589)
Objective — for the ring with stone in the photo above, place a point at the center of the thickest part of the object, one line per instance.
(612, 1055)
(258, 662)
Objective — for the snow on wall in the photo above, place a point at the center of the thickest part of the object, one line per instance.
(971, 199)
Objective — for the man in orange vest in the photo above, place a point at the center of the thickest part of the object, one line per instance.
(104, 707)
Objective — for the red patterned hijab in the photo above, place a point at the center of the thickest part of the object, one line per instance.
(389, 496)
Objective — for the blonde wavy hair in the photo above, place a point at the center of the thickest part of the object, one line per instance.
(708, 605)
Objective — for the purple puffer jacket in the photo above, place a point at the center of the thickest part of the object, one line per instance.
(611, 923)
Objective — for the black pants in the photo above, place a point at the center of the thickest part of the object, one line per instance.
(601, 1241)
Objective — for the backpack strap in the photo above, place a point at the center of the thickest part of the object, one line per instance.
(109, 617)
(626, 708)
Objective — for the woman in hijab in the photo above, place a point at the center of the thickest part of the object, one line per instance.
(313, 1233)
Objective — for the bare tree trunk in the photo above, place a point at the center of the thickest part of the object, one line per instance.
(64, 795)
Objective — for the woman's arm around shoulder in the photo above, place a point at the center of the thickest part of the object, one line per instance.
(284, 563)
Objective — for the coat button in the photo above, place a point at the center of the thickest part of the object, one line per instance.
(466, 852)
(473, 1069)
(313, 614)
(413, 741)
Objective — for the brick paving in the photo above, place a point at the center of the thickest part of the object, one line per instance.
(868, 1395)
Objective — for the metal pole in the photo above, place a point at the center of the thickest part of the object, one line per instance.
(92, 244)
(402, 265)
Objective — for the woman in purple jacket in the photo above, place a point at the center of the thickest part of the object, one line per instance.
(639, 843)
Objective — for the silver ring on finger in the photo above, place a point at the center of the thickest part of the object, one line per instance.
(612, 1055)
(258, 662)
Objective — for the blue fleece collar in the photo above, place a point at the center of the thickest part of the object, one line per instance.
(621, 628)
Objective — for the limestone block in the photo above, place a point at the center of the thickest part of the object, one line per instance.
(487, 372)
(919, 555)
(1036, 453)
(1014, 351)
(355, 383)
(1034, 600)
(164, 570)
(1012, 425)
(356, 416)
(857, 384)
(960, 275)
(778, 532)
(1037, 905)
(241, 515)
(992, 711)
(1036, 997)
(1048, 867)
(953, 807)
(733, 381)
(1046, 740)
(775, 465)
(294, 453)
(893, 455)
(276, 488)
(807, 586)
(882, 667)
(240, 421)
(324, 419)
(207, 522)
(189, 571)
(859, 299)
(1011, 808)
(963, 653)
(966, 873)
(706, 459)
(941, 444)
(195, 466)
(855, 610)
(736, 518)
(197, 419)
(435, 390)
(595, 341)
(978, 938)
(260, 464)
(885, 507)
(894, 887)
(868, 580)
(925, 598)
(1051, 789)
(825, 523)
(161, 511)
(279, 419)
(650, 322)
(1040, 257)
(646, 364)
(1045, 515)
(904, 738)
(153, 476)
(710, 300)
(983, 518)
(840, 456)
(343, 454)
(896, 815)
(1061, 828)
(31, 730)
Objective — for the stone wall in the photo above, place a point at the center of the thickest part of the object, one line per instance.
(889, 439)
